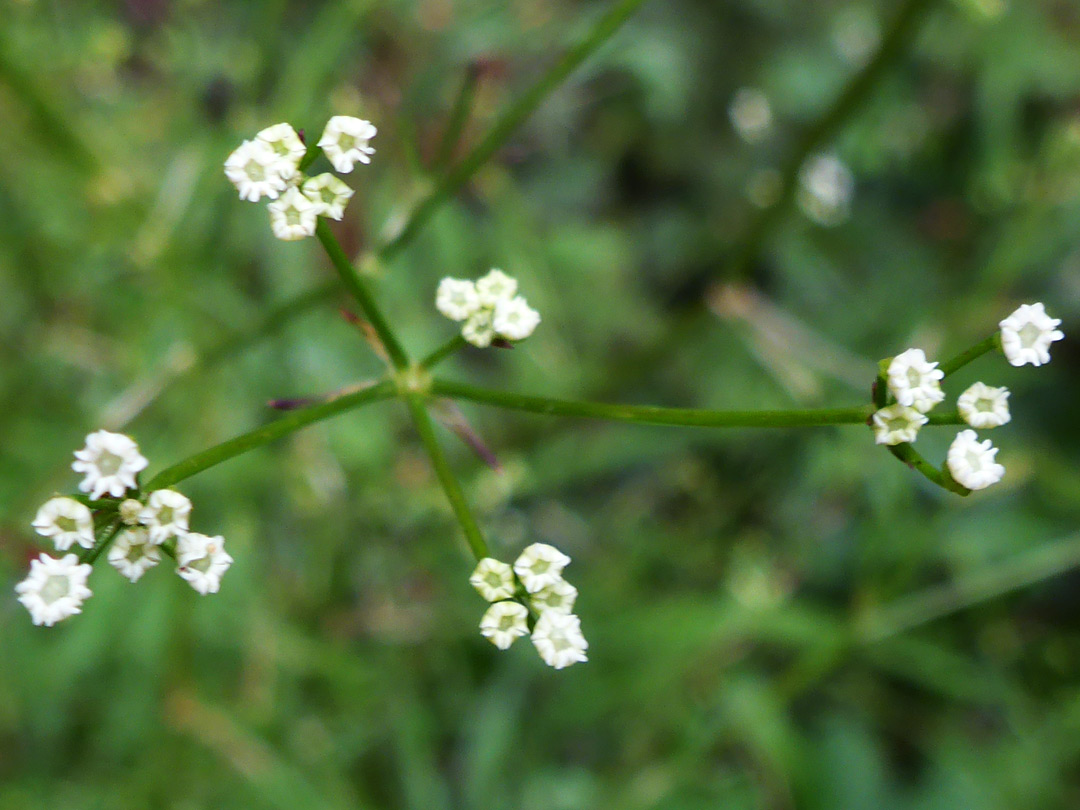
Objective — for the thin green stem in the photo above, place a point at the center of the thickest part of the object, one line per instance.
(446, 477)
(653, 415)
(454, 344)
(459, 114)
(310, 156)
(910, 456)
(351, 279)
(978, 350)
(91, 555)
(260, 436)
(509, 121)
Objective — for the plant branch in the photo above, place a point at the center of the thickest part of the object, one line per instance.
(441, 353)
(978, 350)
(910, 456)
(459, 114)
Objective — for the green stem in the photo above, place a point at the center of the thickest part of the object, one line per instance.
(652, 415)
(311, 155)
(351, 279)
(91, 555)
(978, 350)
(509, 121)
(910, 456)
(446, 477)
(441, 353)
(275, 430)
(458, 116)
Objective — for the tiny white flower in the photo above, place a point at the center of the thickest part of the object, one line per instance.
(971, 462)
(66, 521)
(1026, 335)
(166, 515)
(478, 330)
(897, 424)
(559, 597)
(494, 287)
(110, 462)
(558, 639)
(504, 622)
(750, 114)
(915, 382)
(826, 187)
(133, 554)
(514, 319)
(329, 193)
(286, 145)
(540, 565)
(345, 141)
(202, 561)
(253, 169)
(292, 215)
(130, 510)
(456, 298)
(55, 589)
(493, 580)
(983, 406)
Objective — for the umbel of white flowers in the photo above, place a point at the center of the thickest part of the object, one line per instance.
(269, 166)
(141, 528)
(489, 307)
(533, 586)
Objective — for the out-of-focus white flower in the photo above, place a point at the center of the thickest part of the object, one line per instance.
(915, 382)
(514, 319)
(503, 623)
(55, 589)
(66, 521)
(494, 287)
(133, 554)
(110, 462)
(971, 462)
(253, 167)
(166, 515)
(493, 580)
(539, 566)
(292, 215)
(897, 424)
(478, 330)
(130, 510)
(983, 406)
(457, 299)
(558, 639)
(1026, 335)
(825, 191)
(329, 193)
(286, 145)
(345, 141)
(202, 561)
(559, 597)
(750, 114)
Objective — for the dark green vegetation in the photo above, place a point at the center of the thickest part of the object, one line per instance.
(778, 618)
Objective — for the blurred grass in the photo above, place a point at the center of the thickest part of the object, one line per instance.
(725, 576)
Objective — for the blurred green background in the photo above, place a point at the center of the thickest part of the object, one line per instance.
(777, 619)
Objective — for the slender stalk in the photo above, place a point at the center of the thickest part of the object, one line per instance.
(446, 476)
(459, 114)
(978, 350)
(312, 153)
(441, 353)
(351, 279)
(260, 436)
(91, 555)
(910, 456)
(653, 415)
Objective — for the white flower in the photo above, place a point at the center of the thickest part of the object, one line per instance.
(915, 382)
(345, 141)
(456, 299)
(983, 406)
(897, 424)
(253, 169)
(558, 639)
(540, 565)
(494, 287)
(133, 554)
(750, 114)
(130, 510)
(514, 319)
(55, 589)
(971, 462)
(166, 515)
(1026, 335)
(292, 216)
(329, 193)
(202, 560)
(493, 580)
(503, 623)
(478, 330)
(559, 597)
(110, 462)
(66, 521)
(287, 147)
(825, 190)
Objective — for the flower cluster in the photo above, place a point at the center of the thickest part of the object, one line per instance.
(135, 532)
(490, 308)
(269, 166)
(532, 587)
(914, 386)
